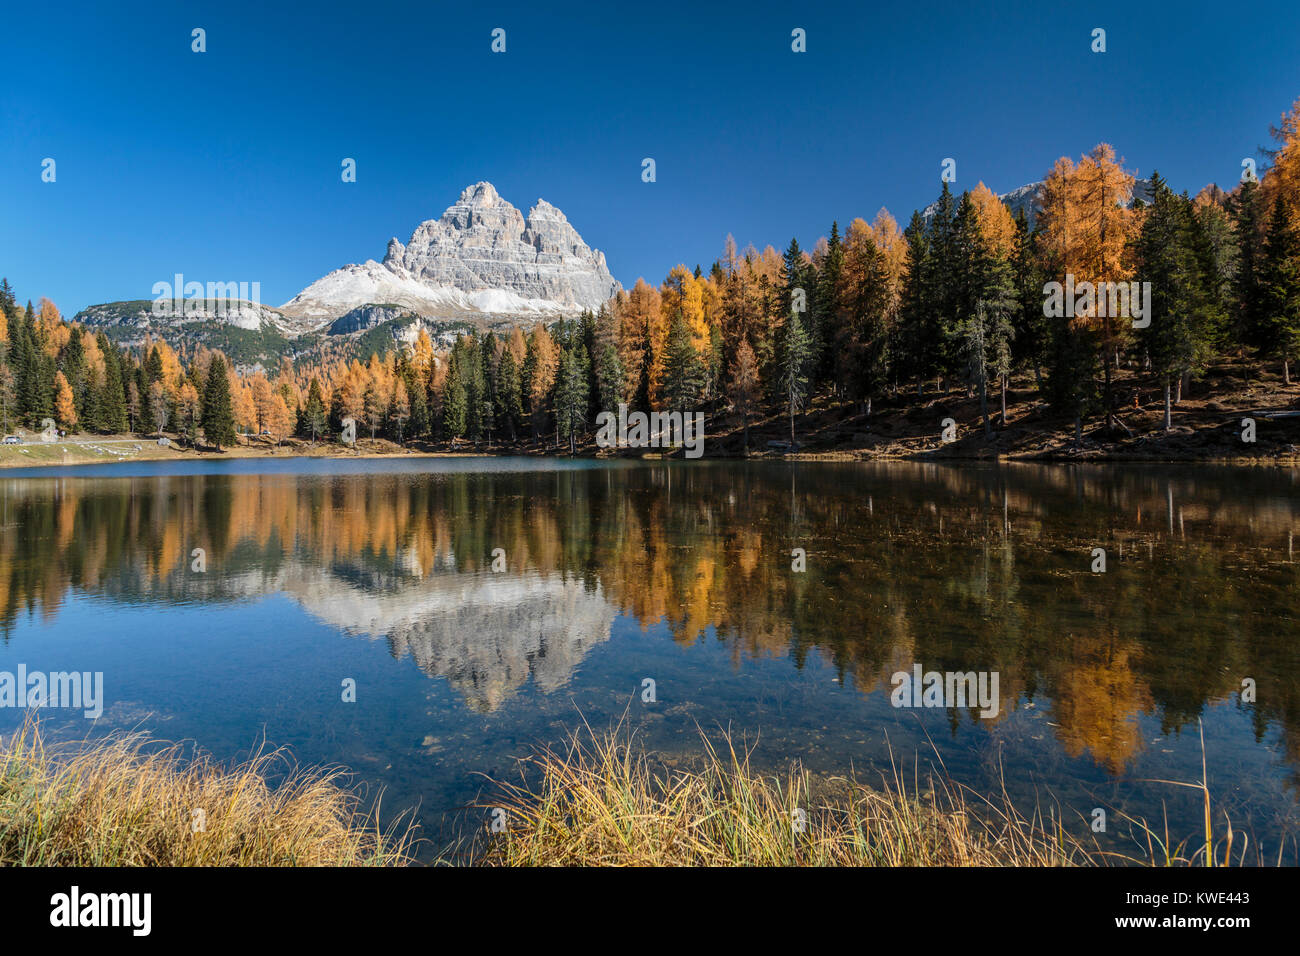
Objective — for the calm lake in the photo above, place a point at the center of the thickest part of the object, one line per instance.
(312, 573)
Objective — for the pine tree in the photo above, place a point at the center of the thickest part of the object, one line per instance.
(72, 364)
(1215, 245)
(153, 367)
(571, 395)
(1280, 286)
(607, 364)
(1071, 382)
(478, 403)
(419, 403)
(971, 265)
(35, 372)
(315, 417)
(609, 377)
(1031, 330)
(510, 397)
(1001, 335)
(133, 407)
(913, 349)
(940, 283)
(142, 389)
(18, 365)
(683, 371)
(8, 304)
(486, 384)
(591, 346)
(113, 399)
(8, 395)
(218, 416)
(986, 296)
(45, 384)
(798, 289)
(454, 399)
(1247, 290)
(794, 369)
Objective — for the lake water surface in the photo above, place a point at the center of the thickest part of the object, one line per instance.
(316, 572)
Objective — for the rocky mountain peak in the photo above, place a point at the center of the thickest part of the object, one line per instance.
(480, 256)
(480, 194)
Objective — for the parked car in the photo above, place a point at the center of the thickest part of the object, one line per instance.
(12, 440)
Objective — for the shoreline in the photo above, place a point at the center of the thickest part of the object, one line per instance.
(70, 465)
(1207, 428)
(1237, 416)
(75, 454)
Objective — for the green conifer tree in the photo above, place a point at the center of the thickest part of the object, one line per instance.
(218, 414)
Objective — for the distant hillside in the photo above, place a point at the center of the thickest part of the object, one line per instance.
(251, 338)
(242, 330)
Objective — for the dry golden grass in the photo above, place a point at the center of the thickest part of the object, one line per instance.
(127, 801)
(602, 803)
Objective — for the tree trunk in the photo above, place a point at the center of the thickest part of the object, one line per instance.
(1106, 397)
(1286, 370)
(984, 407)
(1168, 408)
(1004, 401)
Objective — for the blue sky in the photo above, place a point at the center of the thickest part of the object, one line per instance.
(225, 165)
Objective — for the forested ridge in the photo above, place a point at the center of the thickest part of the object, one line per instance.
(873, 315)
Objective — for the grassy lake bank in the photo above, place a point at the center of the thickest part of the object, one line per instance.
(601, 800)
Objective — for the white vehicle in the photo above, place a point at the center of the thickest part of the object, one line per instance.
(12, 440)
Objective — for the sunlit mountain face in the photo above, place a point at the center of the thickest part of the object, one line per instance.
(483, 613)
